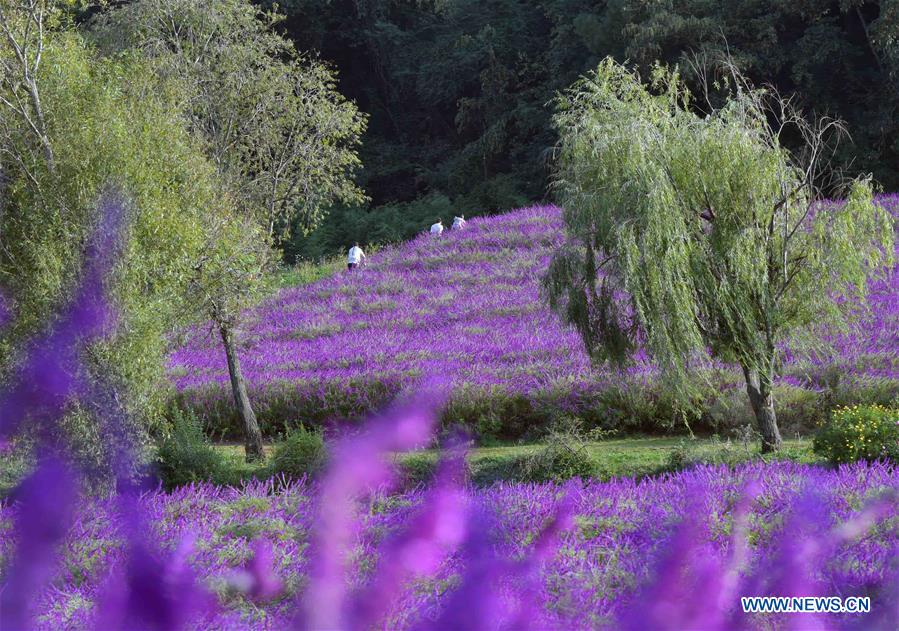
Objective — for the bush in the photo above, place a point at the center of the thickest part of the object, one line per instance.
(416, 469)
(564, 456)
(679, 458)
(302, 452)
(185, 455)
(860, 432)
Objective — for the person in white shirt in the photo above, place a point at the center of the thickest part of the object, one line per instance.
(458, 222)
(355, 257)
(437, 228)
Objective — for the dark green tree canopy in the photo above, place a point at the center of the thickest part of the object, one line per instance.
(457, 90)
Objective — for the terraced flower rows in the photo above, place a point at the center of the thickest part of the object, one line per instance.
(466, 306)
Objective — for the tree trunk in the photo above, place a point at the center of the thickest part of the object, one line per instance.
(251, 433)
(41, 125)
(759, 389)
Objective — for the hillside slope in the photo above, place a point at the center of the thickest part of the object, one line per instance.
(466, 307)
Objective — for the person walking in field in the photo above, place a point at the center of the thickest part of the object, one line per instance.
(355, 257)
(458, 222)
(437, 228)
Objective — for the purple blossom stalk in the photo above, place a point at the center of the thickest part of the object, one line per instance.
(51, 374)
(150, 593)
(47, 501)
(358, 467)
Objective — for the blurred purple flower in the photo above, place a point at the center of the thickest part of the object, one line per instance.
(153, 591)
(51, 372)
(45, 502)
(258, 579)
(358, 466)
(484, 599)
(438, 527)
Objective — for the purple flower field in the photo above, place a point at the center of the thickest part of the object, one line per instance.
(806, 531)
(465, 306)
(349, 551)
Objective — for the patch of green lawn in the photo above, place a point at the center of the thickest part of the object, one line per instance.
(305, 273)
(234, 462)
(625, 457)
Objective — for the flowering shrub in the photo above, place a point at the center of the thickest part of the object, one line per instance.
(860, 432)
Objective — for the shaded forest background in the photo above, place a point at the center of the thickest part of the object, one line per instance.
(457, 90)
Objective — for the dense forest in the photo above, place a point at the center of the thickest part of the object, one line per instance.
(457, 90)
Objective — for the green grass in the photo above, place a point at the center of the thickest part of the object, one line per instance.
(305, 273)
(238, 467)
(15, 464)
(626, 457)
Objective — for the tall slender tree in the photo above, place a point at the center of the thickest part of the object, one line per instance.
(695, 234)
(229, 274)
(282, 137)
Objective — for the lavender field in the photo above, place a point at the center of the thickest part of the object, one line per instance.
(351, 550)
(211, 421)
(781, 529)
(466, 306)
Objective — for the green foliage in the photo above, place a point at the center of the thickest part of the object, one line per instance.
(302, 452)
(679, 457)
(184, 455)
(306, 272)
(860, 432)
(106, 126)
(271, 120)
(385, 224)
(457, 89)
(415, 469)
(502, 416)
(689, 233)
(232, 269)
(837, 56)
(282, 138)
(737, 262)
(636, 457)
(563, 456)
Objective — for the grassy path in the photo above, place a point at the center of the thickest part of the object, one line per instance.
(625, 457)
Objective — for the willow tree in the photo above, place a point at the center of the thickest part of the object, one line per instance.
(695, 235)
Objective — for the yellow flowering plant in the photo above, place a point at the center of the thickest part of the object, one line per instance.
(860, 432)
